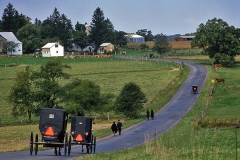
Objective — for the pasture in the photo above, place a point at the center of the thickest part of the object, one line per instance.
(154, 78)
(212, 136)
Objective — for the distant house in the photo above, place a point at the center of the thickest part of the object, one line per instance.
(108, 47)
(52, 50)
(185, 38)
(134, 38)
(10, 37)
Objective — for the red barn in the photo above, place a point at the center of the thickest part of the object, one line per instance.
(185, 38)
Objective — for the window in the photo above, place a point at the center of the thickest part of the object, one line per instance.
(56, 45)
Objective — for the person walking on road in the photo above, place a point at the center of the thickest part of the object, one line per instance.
(152, 114)
(119, 126)
(114, 128)
(148, 114)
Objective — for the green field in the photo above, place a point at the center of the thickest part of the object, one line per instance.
(110, 74)
(213, 136)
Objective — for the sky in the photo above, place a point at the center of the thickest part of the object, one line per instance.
(160, 16)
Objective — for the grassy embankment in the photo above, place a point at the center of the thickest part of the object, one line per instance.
(213, 136)
(154, 78)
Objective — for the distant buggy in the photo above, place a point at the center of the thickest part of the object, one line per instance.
(52, 126)
(81, 134)
(194, 89)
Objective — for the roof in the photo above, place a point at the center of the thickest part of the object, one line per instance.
(9, 36)
(187, 36)
(134, 36)
(104, 44)
(50, 45)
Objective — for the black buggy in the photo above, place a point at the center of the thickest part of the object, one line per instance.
(81, 134)
(194, 89)
(52, 126)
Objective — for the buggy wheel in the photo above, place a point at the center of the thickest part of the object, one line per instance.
(31, 143)
(94, 148)
(65, 144)
(55, 151)
(36, 144)
(91, 143)
(69, 145)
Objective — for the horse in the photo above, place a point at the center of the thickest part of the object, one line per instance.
(217, 66)
(220, 80)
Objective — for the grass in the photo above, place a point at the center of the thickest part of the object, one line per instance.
(154, 78)
(183, 142)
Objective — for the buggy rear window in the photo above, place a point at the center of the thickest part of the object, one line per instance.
(51, 116)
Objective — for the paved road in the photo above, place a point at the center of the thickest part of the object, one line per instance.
(165, 119)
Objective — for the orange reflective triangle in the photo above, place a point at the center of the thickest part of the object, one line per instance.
(79, 137)
(49, 131)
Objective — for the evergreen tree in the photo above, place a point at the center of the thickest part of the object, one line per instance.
(97, 31)
(109, 32)
(80, 38)
(12, 21)
(80, 27)
(37, 22)
(120, 38)
(57, 27)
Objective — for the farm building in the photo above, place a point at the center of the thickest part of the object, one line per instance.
(134, 38)
(75, 47)
(52, 50)
(10, 37)
(185, 38)
(108, 47)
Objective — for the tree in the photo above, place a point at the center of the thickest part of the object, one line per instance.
(130, 100)
(29, 35)
(142, 32)
(80, 27)
(146, 34)
(102, 30)
(47, 88)
(82, 96)
(10, 46)
(162, 45)
(218, 40)
(143, 47)
(65, 30)
(96, 33)
(149, 36)
(21, 94)
(57, 27)
(109, 32)
(120, 38)
(81, 39)
(11, 20)
(37, 22)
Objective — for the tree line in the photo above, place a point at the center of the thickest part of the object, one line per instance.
(33, 90)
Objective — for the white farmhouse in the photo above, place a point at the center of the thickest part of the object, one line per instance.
(52, 50)
(10, 37)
